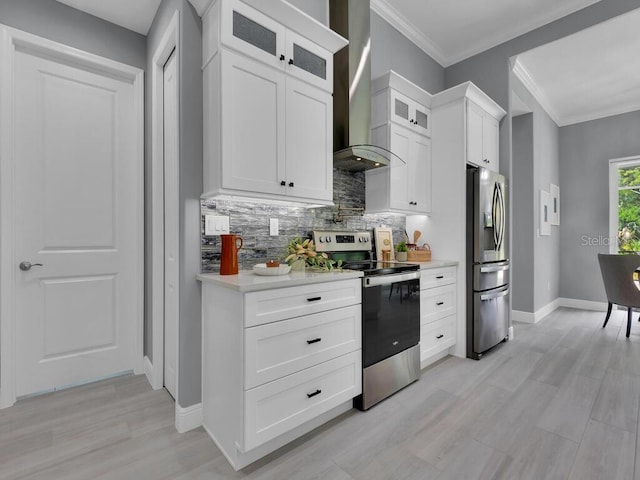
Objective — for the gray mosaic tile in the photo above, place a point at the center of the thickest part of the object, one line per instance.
(251, 221)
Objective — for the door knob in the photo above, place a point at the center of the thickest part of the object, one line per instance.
(25, 265)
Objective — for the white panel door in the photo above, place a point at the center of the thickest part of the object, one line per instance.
(76, 196)
(420, 181)
(171, 224)
(400, 142)
(252, 125)
(475, 117)
(309, 137)
(490, 141)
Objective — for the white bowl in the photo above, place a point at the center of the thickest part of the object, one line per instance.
(262, 269)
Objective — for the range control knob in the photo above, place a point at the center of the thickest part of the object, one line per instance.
(320, 240)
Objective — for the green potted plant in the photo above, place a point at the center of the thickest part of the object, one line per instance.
(401, 251)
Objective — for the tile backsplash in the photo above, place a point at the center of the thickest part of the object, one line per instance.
(250, 220)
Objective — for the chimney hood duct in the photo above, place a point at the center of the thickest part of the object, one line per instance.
(352, 90)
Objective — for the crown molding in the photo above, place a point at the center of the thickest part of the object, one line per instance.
(527, 80)
(406, 28)
(200, 5)
(598, 114)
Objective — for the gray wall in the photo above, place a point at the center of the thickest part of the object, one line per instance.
(585, 151)
(490, 70)
(190, 78)
(63, 24)
(390, 50)
(522, 271)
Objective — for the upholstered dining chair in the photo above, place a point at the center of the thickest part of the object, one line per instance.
(617, 275)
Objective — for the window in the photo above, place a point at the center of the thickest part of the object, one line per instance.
(624, 207)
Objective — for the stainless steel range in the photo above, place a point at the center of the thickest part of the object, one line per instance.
(390, 314)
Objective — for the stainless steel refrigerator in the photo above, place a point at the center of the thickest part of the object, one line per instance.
(488, 299)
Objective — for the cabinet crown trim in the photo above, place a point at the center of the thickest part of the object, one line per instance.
(396, 81)
(290, 16)
(473, 93)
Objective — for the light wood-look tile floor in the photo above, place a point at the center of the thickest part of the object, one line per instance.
(560, 401)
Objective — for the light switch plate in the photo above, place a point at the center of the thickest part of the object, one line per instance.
(216, 225)
(274, 227)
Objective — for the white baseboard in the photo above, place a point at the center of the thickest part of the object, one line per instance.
(523, 317)
(151, 373)
(510, 333)
(583, 304)
(188, 418)
(529, 317)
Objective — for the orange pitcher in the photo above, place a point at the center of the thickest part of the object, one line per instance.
(229, 259)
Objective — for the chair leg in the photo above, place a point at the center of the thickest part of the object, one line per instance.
(628, 322)
(608, 315)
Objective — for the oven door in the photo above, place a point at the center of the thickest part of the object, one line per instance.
(390, 315)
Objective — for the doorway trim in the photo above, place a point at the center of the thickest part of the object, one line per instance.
(169, 42)
(10, 40)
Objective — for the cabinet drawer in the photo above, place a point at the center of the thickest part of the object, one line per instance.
(281, 348)
(282, 303)
(277, 407)
(434, 277)
(437, 303)
(436, 336)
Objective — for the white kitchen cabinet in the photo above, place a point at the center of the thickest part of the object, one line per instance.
(402, 187)
(268, 109)
(277, 363)
(483, 137)
(401, 123)
(396, 99)
(437, 312)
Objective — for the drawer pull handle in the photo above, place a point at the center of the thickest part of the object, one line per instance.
(314, 299)
(440, 277)
(440, 303)
(313, 394)
(315, 340)
(440, 336)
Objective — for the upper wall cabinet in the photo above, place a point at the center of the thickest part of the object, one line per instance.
(401, 123)
(483, 137)
(268, 107)
(396, 99)
(471, 108)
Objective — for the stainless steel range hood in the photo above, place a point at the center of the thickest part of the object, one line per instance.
(352, 90)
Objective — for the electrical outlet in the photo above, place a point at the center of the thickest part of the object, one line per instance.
(216, 225)
(273, 227)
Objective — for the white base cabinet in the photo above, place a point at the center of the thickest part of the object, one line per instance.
(277, 363)
(437, 312)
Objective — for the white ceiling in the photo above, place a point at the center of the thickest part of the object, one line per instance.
(450, 31)
(136, 15)
(599, 71)
(591, 74)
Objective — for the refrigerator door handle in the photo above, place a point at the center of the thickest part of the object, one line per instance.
(493, 296)
(503, 218)
(494, 208)
(500, 268)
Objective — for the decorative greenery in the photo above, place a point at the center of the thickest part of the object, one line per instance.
(299, 249)
(402, 247)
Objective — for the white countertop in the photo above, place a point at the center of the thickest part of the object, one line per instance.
(247, 281)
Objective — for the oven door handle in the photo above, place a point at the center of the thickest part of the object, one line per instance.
(389, 279)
